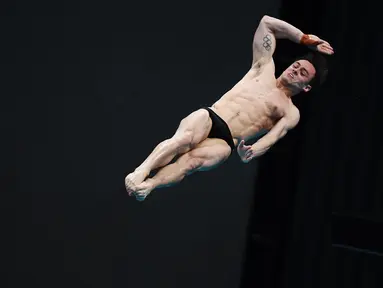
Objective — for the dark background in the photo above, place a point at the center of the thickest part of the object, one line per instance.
(91, 87)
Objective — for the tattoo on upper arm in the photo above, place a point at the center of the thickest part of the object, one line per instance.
(267, 42)
(263, 45)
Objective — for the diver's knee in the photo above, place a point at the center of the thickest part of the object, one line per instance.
(183, 140)
(193, 164)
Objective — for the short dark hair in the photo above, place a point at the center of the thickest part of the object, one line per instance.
(320, 64)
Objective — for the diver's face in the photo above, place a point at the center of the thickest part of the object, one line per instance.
(299, 74)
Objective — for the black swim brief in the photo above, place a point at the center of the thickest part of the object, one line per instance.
(219, 129)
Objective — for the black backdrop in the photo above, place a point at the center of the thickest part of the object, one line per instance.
(90, 88)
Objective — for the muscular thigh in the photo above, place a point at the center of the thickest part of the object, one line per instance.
(209, 154)
(195, 126)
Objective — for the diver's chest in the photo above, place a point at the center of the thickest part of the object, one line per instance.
(274, 108)
(273, 112)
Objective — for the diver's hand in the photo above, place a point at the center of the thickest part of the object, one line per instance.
(245, 152)
(317, 44)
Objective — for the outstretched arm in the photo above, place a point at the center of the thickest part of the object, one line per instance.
(247, 153)
(270, 29)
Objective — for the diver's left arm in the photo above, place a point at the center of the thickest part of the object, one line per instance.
(288, 122)
(284, 30)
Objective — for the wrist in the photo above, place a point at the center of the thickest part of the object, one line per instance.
(307, 40)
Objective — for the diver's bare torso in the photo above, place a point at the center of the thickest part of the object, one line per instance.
(253, 104)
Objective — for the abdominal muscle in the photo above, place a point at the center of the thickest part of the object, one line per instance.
(252, 105)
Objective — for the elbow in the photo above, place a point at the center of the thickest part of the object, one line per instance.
(269, 22)
(267, 19)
